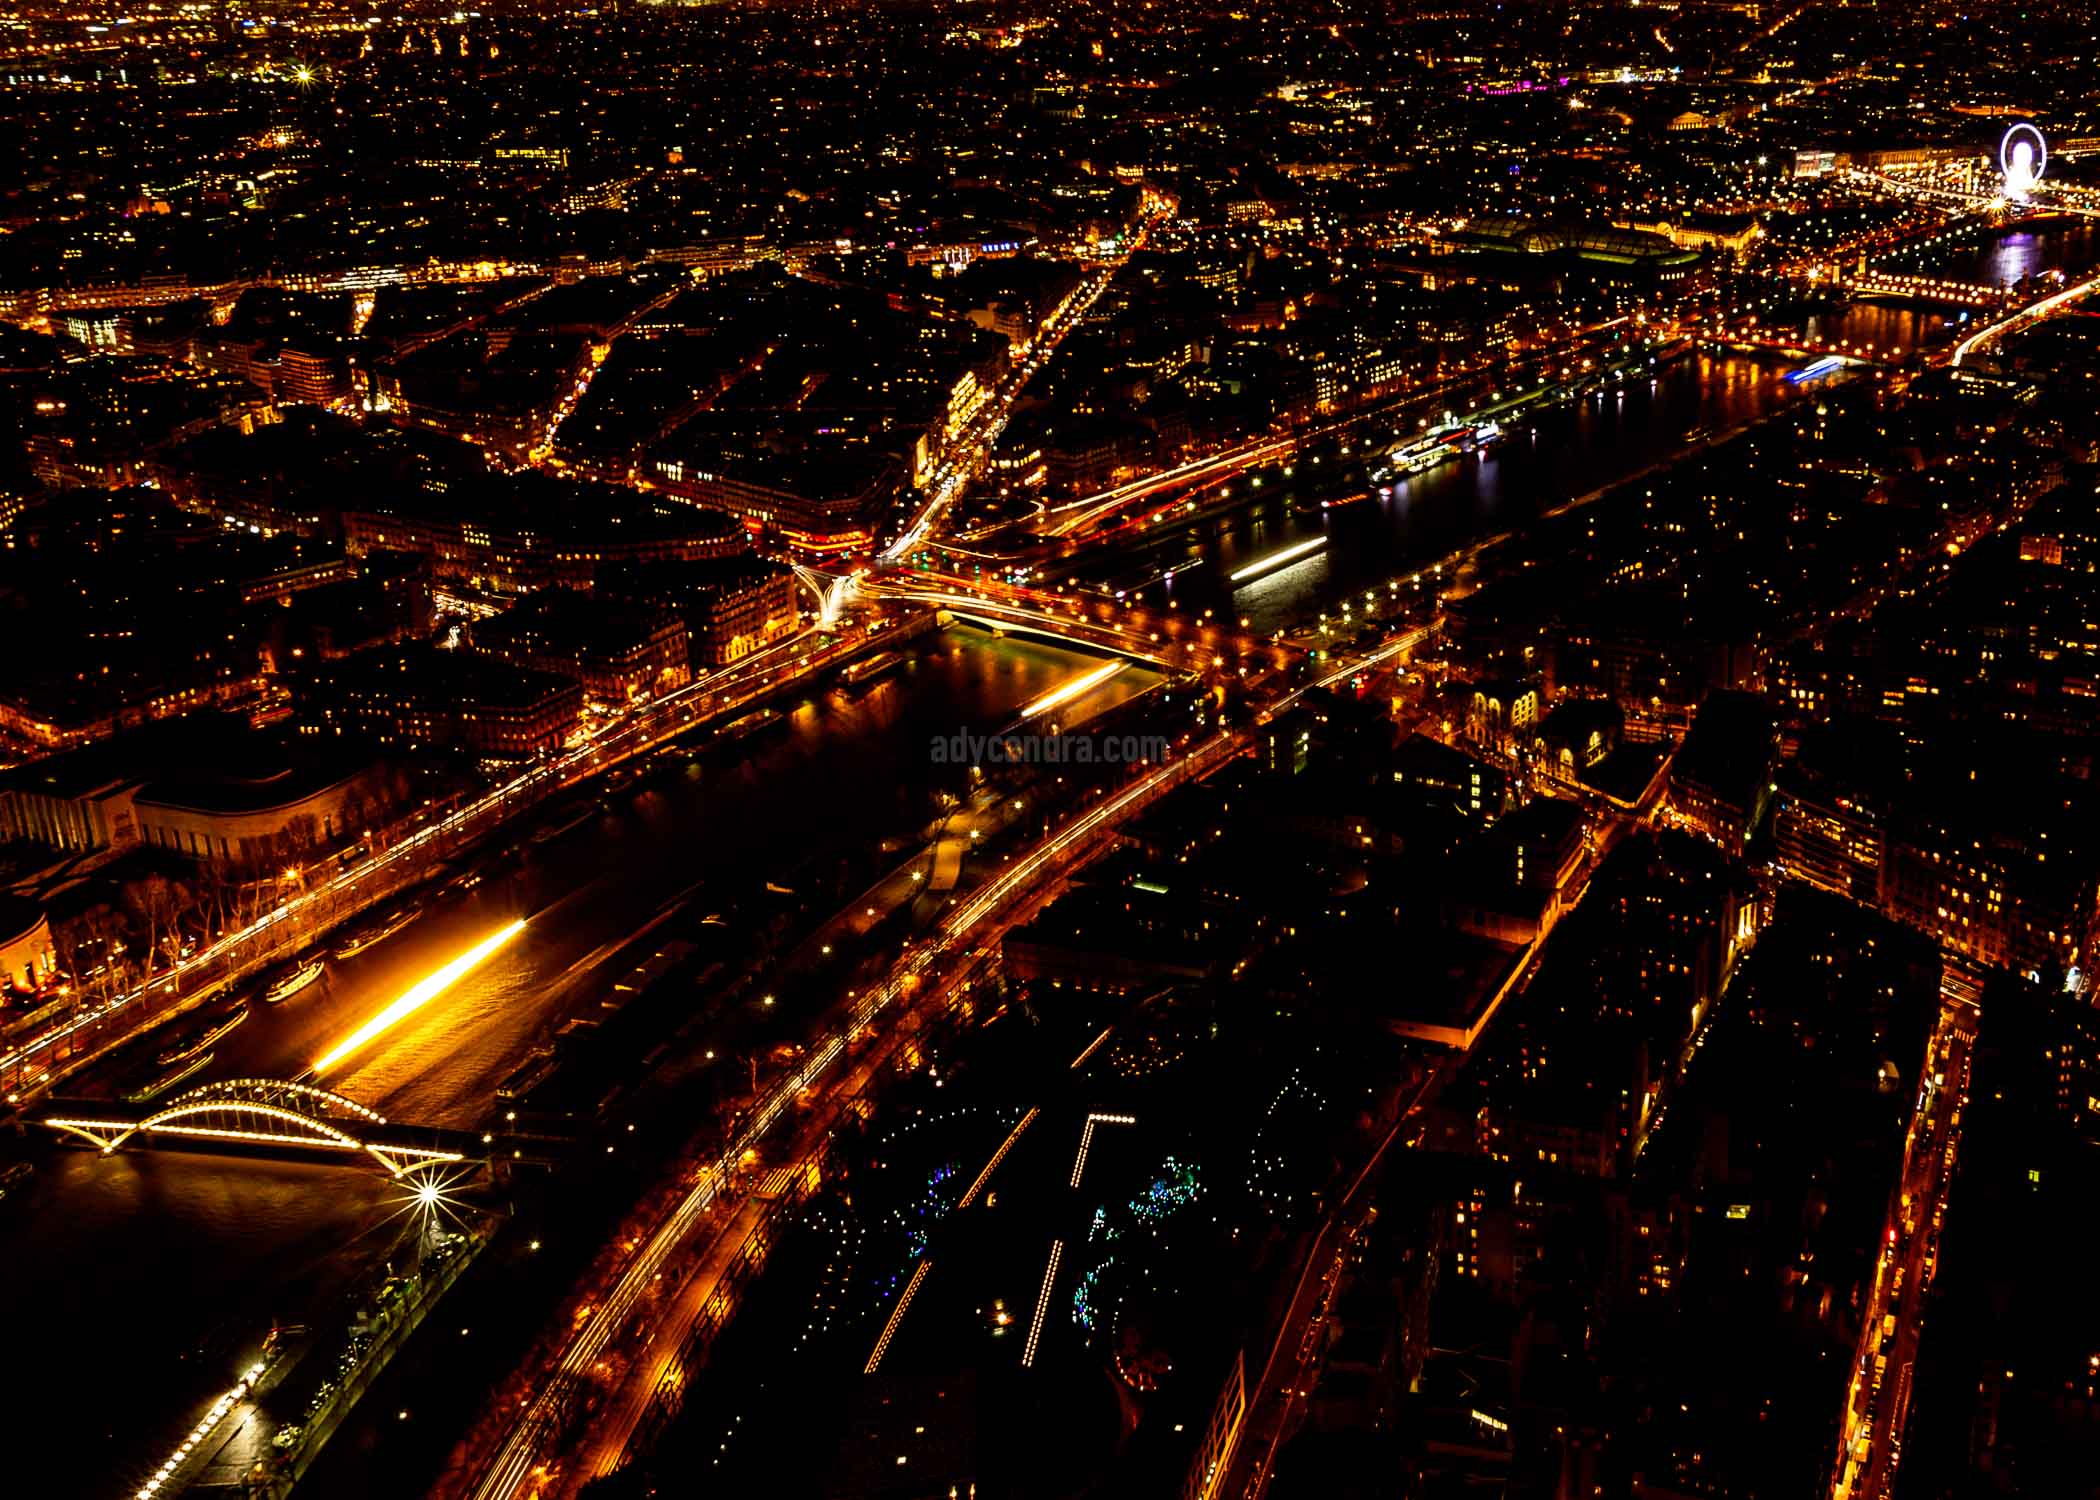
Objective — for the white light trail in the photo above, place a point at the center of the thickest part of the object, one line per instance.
(419, 994)
(2034, 314)
(513, 1463)
(1078, 685)
(1277, 559)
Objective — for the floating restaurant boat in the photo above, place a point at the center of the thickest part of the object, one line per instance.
(370, 934)
(148, 1092)
(868, 668)
(751, 723)
(199, 1035)
(292, 981)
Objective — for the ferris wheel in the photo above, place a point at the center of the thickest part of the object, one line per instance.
(2022, 158)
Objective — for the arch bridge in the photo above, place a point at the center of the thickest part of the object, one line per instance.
(267, 1115)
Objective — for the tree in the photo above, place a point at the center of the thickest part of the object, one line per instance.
(301, 834)
(88, 941)
(157, 905)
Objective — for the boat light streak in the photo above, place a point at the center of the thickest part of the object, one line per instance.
(420, 994)
(1278, 559)
(1073, 689)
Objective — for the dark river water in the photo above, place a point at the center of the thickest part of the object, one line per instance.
(1561, 452)
(2004, 259)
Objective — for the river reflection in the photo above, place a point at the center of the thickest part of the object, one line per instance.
(2010, 257)
(1564, 451)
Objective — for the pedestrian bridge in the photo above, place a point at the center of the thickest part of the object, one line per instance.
(257, 1116)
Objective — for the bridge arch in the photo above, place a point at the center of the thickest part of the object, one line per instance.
(269, 1111)
(86, 1130)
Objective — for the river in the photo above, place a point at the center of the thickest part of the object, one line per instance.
(140, 1284)
(1561, 452)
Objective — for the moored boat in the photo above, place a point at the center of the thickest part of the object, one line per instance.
(868, 668)
(200, 1034)
(751, 723)
(370, 934)
(162, 1082)
(292, 981)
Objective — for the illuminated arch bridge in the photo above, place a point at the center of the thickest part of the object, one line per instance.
(269, 1116)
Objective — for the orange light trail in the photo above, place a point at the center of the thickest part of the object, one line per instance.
(1073, 689)
(419, 994)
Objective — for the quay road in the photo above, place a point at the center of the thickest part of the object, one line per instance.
(2025, 318)
(93, 1029)
(2053, 199)
(820, 1092)
(1080, 515)
(1877, 1397)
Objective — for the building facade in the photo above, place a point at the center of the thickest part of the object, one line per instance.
(457, 700)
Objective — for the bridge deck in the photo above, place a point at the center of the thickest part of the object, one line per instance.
(134, 1125)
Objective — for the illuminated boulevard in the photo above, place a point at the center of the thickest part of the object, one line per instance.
(816, 1097)
(1878, 1398)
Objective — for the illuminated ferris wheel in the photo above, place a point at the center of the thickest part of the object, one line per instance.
(2022, 158)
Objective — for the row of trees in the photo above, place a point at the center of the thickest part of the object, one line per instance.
(153, 917)
(112, 946)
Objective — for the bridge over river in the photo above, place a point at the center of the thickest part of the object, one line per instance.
(268, 1117)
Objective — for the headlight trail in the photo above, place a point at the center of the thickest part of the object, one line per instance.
(1278, 559)
(1072, 689)
(419, 994)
